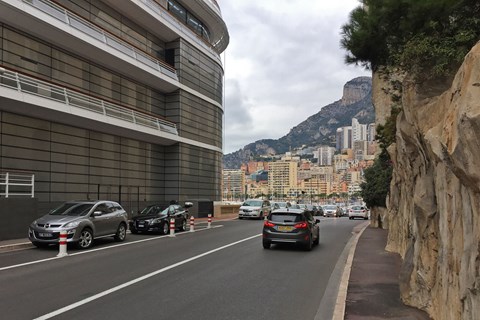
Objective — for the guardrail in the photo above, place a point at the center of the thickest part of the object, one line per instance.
(82, 25)
(17, 184)
(70, 98)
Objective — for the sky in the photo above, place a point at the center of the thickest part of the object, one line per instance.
(282, 65)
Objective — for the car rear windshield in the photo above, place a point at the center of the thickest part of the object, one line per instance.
(286, 217)
(358, 208)
(73, 209)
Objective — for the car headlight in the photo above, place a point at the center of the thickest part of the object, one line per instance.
(157, 220)
(73, 224)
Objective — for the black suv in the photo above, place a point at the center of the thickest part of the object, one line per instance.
(156, 218)
(291, 226)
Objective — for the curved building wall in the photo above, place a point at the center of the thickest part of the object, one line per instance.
(73, 160)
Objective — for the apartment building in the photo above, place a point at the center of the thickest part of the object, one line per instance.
(233, 184)
(282, 176)
(119, 100)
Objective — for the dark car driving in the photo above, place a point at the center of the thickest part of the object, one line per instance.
(291, 226)
(155, 218)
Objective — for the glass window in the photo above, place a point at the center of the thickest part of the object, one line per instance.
(178, 10)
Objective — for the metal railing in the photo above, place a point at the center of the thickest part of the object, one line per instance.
(17, 184)
(163, 13)
(93, 31)
(70, 98)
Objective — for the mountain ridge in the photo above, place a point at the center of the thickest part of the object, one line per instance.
(318, 129)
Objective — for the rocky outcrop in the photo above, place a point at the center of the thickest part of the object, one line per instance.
(433, 210)
(355, 90)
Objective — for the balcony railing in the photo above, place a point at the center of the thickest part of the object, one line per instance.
(70, 98)
(163, 13)
(99, 34)
(17, 184)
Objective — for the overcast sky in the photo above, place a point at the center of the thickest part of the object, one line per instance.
(283, 64)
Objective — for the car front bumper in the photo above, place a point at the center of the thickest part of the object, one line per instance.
(51, 236)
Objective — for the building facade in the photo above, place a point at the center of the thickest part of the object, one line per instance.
(118, 100)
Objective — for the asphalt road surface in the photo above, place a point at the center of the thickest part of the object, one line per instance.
(217, 273)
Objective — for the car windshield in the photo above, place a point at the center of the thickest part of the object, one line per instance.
(72, 209)
(252, 203)
(150, 210)
(330, 208)
(285, 217)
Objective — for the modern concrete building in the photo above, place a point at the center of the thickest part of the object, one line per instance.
(233, 184)
(282, 177)
(118, 100)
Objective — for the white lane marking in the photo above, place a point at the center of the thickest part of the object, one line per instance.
(134, 281)
(100, 249)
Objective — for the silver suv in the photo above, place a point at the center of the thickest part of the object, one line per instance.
(254, 208)
(83, 221)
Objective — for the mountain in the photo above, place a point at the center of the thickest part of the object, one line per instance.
(319, 129)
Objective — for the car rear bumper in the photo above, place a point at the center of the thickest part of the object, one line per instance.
(285, 237)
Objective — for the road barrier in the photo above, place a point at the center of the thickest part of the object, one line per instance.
(62, 244)
(172, 227)
(209, 220)
(192, 224)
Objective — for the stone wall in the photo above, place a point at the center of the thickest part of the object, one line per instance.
(434, 203)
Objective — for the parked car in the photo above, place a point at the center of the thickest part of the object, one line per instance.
(291, 226)
(156, 218)
(358, 212)
(279, 204)
(331, 210)
(254, 208)
(83, 221)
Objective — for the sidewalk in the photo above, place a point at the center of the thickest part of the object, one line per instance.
(373, 288)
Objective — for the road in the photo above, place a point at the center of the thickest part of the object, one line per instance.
(217, 273)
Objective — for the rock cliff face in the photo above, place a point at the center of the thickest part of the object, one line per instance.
(433, 213)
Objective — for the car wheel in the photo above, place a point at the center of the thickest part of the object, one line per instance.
(165, 228)
(183, 227)
(121, 233)
(309, 244)
(317, 241)
(266, 245)
(86, 239)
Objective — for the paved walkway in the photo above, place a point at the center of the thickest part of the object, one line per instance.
(373, 288)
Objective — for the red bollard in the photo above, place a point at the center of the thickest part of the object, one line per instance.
(209, 220)
(172, 227)
(192, 224)
(62, 244)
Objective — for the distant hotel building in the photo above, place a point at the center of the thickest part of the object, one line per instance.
(118, 100)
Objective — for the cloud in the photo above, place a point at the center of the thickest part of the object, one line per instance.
(283, 63)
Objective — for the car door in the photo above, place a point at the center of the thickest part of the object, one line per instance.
(100, 219)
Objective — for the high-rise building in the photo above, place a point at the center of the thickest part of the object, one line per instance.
(344, 138)
(325, 155)
(233, 184)
(359, 131)
(282, 176)
(113, 99)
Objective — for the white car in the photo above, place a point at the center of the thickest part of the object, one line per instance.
(358, 212)
(254, 208)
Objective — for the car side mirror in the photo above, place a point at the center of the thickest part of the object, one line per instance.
(317, 221)
(188, 204)
(97, 213)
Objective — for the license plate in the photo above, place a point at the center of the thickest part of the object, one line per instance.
(141, 225)
(285, 228)
(45, 235)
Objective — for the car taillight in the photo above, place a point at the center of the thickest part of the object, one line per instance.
(268, 224)
(301, 225)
